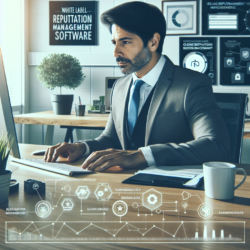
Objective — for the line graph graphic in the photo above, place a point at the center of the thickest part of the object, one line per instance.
(129, 231)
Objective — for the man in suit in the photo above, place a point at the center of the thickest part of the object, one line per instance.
(161, 114)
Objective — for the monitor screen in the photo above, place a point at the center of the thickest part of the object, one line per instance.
(7, 122)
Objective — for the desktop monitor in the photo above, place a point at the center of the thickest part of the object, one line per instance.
(109, 82)
(6, 118)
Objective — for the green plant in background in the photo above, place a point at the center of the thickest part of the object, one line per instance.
(5, 146)
(60, 70)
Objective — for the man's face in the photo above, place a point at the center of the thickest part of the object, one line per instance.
(130, 53)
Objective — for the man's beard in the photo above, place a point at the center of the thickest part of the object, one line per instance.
(136, 64)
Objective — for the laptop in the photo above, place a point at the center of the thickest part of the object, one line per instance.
(7, 126)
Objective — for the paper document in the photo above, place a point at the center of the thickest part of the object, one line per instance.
(173, 171)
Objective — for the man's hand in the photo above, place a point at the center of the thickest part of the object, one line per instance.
(112, 157)
(71, 151)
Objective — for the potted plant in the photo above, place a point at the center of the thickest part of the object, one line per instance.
(61, 70)
(5, 175)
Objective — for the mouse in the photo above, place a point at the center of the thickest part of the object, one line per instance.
(39, 152)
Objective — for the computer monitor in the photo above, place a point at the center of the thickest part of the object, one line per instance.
(6, 118)
(109, 82)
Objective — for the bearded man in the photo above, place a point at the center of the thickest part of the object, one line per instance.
(161, 114)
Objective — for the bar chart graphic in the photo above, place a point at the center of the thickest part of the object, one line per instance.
(125, 232)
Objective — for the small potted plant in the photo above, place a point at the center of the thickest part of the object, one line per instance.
(61, 70)
(5, 175)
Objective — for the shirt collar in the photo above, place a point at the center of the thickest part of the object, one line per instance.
(153, 75)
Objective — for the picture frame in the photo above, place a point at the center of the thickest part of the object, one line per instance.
(181, 17)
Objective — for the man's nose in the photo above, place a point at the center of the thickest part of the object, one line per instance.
(117, 51)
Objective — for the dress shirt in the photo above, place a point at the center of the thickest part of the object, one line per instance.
(150, 79)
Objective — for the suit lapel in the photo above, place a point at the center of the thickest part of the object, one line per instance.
(121, 110)
(161, 89)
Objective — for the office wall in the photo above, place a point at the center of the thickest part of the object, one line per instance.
(98, 62)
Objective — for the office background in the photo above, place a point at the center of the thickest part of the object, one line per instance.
(25, 42)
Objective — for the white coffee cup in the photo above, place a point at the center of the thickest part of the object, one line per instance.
(219, 179)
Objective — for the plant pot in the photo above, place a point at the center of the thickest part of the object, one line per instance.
(62, 104)
(5, 186)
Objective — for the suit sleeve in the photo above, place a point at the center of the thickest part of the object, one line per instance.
(211, 140)
(108, 138)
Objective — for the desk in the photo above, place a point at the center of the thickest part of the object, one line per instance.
(87, 224)
(89, 121)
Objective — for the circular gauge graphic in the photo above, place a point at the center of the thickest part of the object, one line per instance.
(205, 211)
(247, 20)
(180, 18)
(195, 61)
(120, 208)
(43, 209)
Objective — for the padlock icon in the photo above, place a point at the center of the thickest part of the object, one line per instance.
(237, 77)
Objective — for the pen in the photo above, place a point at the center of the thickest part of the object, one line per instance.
(80, 100)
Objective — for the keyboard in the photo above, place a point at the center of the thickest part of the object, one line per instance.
(56, 167)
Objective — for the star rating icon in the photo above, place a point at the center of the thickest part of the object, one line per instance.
(119, 208)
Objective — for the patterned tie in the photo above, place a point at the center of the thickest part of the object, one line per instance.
(134, 105)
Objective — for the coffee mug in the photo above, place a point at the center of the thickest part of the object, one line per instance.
(219, 179)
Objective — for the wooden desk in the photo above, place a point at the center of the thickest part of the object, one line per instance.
(48, 118)
(86, 224)
(89, 121)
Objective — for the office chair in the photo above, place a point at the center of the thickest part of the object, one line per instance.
(233, 110)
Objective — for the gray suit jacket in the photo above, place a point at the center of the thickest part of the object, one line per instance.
(184, 125)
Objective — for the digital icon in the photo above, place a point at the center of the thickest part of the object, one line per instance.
(67, 188)
(205, 211)
(35, 186)
(67, 204)
(82, 192)
(211, 75)
(237, 77)
(245, 54)
(43, 209)
(103, 192)
(152, 199)
(248, 68)
(195, 63)
(184, 205)
(185, 195)
(120, 208)
(135, 205)
(229, 62)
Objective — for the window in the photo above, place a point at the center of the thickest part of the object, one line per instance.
(11, 46)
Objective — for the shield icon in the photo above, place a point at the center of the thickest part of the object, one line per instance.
(245, 54)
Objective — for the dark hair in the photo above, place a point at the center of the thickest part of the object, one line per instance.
(139, 18)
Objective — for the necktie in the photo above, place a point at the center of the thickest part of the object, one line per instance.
(134, 105)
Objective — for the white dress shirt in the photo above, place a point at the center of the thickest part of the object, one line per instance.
(150, 79)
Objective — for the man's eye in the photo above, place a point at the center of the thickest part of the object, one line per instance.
(125, 42)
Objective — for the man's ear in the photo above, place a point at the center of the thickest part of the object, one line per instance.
(153, 43)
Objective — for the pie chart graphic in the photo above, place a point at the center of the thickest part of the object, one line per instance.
(180, 18)
(195, 61)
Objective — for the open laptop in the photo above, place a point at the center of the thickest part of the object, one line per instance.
(7, 126)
